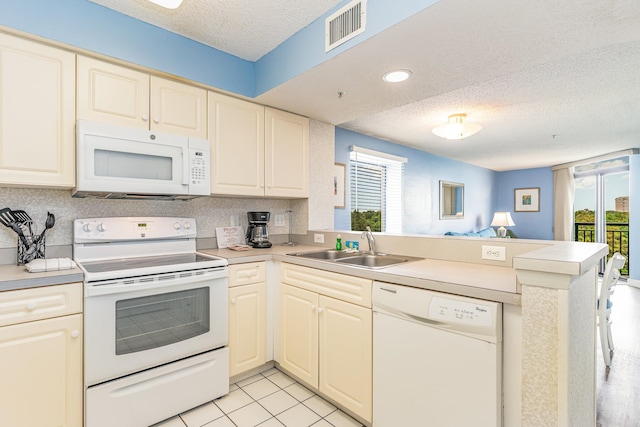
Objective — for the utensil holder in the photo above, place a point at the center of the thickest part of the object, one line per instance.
(31, 252)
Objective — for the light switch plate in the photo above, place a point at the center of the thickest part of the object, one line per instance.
(279, 220)
(318, 238)
(494, 253)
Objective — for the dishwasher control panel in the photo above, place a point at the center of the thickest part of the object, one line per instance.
(449, 310)
(463, 315)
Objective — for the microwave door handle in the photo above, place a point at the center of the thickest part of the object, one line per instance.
(185, 166)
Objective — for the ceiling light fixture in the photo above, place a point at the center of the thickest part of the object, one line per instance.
(396, 76)
(169, 4)
(455, 128)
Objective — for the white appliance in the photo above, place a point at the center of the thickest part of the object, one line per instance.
(125, 163)
(155, 320)
(436, 359)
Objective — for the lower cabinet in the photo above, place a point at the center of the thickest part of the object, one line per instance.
(326, 342)
(247, 317)
(41, 360)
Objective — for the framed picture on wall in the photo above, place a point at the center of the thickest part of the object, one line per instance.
(527, 199)
(339, 175)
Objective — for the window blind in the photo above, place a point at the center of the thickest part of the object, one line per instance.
(376, 186)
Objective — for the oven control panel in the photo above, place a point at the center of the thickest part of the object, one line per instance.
(132, 228)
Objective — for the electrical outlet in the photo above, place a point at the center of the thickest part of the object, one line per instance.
(279, 220)
(494, 253)
(318, 238)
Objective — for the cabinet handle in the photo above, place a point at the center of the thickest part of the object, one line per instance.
(75, 333)
(145, 118)
(156, 120)
(320, 310)
(31, 306)
(313, 307)
(233, 300)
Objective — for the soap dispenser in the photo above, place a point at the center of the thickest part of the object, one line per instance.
(339, 243)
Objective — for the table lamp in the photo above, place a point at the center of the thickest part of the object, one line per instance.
(502, 220)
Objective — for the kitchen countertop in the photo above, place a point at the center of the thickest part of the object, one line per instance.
(489, 282)
(13, 277)
(472, 280)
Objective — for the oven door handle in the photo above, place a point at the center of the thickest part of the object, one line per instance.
(120, 286)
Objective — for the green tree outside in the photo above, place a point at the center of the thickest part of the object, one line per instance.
(360, 220)
(617, 232)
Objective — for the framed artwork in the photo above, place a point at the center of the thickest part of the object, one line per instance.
(527, 199)
(339, 175)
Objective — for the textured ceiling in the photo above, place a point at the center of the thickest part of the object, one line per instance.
(245, 28)
(550, 82)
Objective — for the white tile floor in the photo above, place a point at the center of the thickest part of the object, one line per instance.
(269, 399)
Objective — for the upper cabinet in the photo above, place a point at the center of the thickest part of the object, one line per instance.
(236, 134)
(114, 94)
(257, 151)
(37, 114)
(286, 154)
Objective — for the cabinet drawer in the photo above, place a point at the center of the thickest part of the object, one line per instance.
(26, 305)
(245, 274)
(351, 289)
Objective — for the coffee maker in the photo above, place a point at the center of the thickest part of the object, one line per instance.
(257, 234)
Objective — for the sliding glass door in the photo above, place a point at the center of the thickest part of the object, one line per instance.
(601, 207)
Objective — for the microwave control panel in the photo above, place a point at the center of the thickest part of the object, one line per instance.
(199, 176)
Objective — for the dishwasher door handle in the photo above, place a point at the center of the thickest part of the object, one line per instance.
(393, 291)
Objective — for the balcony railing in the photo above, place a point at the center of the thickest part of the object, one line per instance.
(617, 238)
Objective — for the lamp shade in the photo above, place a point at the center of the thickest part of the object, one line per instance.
(456, 128)
(502, 219)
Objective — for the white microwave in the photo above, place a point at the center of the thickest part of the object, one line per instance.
(117, 162)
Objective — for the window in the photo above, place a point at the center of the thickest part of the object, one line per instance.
(376, 190)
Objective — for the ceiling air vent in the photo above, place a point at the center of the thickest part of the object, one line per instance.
(345, 24)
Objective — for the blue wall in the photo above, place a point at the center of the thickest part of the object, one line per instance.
(529, 225)
(423, 174)
(89, 26)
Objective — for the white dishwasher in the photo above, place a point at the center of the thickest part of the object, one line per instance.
(436, 359)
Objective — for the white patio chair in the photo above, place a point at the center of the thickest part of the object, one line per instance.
(609, 280)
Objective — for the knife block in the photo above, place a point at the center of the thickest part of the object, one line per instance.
(31, 252)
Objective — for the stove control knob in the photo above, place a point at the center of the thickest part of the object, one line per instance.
(88, 228)
(176, 225)
(186, 225)
(102, 227)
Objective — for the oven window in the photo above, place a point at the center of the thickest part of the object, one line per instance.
(157, 320)
(117, 164)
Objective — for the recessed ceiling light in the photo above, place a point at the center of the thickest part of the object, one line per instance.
(396, 76)
(169, 4)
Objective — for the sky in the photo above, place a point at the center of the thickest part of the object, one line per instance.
(616, 185)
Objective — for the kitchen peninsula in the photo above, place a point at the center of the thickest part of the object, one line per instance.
(548, 290)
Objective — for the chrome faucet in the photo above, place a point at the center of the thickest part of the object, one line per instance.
(370, 239)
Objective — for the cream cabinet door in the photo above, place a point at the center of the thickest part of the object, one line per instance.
(286, 154)
(113, 94)
(236, 134)
(345, 343)
(178, 108)
(41, 371)
(247, 327)
(299, 333)
(37, 114)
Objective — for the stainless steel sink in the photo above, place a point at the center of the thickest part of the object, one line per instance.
(328, 255)
(356, 259)
(376, 260)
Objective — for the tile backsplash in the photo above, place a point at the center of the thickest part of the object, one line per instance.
(209, 212)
